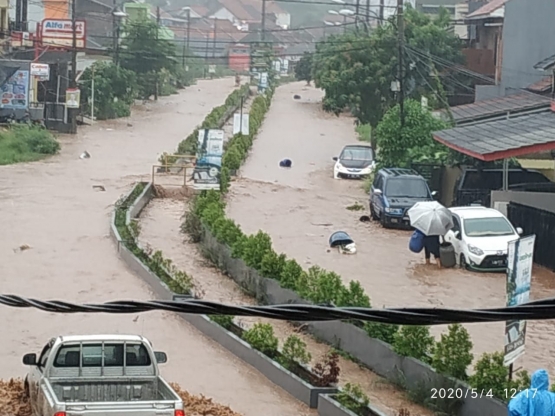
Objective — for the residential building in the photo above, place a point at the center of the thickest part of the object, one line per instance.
(518, 34)
(246, 13)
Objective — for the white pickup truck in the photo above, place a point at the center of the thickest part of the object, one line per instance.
(99, 375)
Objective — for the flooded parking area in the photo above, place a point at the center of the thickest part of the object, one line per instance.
(300, 207)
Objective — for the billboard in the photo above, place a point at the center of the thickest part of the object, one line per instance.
(209, 159)
(59, 32)
(15, 91)
(520, 259)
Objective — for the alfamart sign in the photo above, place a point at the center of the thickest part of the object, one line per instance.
(59, 32)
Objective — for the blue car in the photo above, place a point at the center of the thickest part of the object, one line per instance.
(394, 191)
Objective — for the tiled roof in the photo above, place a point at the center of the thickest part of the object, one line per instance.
(545, 64)
(200, 10)
(486, 9)
(498, 106)
(238, 10)
(500, 139)
(543, 85)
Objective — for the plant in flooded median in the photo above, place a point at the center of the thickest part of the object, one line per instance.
(383, 332)
(225, 321)
(353, 398)
(261, 337)
(452, 354)
(414, 341)
(294, 351)
(326, 371)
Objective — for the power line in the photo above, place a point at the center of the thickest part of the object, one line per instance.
(538, 310)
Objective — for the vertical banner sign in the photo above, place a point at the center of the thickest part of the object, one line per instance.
(15, 91)
(263, 82)
(209, 159)
(240, 126)
(520, 259)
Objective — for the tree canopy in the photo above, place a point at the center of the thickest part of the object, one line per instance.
(413, 143)
(303, 70)
(356, 69)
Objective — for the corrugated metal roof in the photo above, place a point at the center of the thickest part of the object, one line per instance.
(545, 64)
(487, 9)
(500, 139)
(522, 101)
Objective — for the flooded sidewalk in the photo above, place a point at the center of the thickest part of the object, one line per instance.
(57, 209)
(300, 207)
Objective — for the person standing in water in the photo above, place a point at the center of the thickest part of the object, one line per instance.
(431, 248)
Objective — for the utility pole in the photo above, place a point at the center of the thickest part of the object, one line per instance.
(357, 11)
(114, 39)
(263, 20)
(214, 40)
(186, 43)
(157, 31)
(380, 22)
(368, 14)
(72, 112)
(401, 47)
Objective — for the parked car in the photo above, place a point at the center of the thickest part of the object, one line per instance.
(96, 375)
(475, 186)
(480, 237)
(393, 192)
(354, 161)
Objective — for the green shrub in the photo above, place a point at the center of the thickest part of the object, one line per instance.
(355, 296)
(261, 337)
(272, 265)
(383, 332)
(452, 354)
(414, 341)
(253, 248)
(25, 144)
(294, 351)
(225, 321)
(226, 231)
(353, 398)
(232, 158)
(290, 274)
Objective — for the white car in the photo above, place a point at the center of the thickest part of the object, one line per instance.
(355, 161)
(480, 237)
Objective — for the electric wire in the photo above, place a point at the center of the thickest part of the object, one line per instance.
(538, 310)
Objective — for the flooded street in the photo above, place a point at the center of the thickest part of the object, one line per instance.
(300, 207)
(52, 207)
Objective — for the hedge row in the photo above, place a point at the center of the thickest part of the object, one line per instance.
(214, 120)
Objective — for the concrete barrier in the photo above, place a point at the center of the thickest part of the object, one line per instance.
(377, 355)
(274, 372)
(328, 406)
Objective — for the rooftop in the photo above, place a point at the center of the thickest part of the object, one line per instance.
(495, 8)
(502, 138)
(519, 102)
(546, 64)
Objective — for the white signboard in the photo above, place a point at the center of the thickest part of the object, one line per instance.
(209, 159)
(520, 258)
(263, 82)
(241, 125)
(277, 66)
(59, 32)
(285, 66)
(41, 71)
(211, 69)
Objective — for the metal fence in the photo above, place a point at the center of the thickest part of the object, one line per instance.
(542, 224)
(433, 173)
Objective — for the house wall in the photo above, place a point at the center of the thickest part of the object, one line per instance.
(54, 9)
(98, 28)
(528, 34)
(224, 14)
(283, 20)
(540, 200)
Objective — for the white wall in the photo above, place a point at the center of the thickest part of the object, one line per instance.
(224, 14)
(35, 14)
(283, 20)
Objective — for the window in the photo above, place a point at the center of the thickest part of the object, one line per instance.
(407, 188)
(377, 182)
(69, 355)
(456, 223)
(487, 227)
(357, 153)
(45, 353)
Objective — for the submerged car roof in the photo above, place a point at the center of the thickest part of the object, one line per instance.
(476, 212)
(401, 172)
(367, 145)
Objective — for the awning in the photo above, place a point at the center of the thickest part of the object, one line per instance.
(502, 139)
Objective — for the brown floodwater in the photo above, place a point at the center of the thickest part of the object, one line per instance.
(52, 207)
(300, 207)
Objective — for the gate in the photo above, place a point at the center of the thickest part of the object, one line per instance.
(536, 221)
(431, 172)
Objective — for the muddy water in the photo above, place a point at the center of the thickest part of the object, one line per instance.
(51, 206)
(300, 207)
(160, 223)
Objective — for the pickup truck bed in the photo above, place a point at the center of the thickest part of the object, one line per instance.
(112, 391)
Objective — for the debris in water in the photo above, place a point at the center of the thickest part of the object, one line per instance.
(364, 218)
(286, 163)
(343, 242)
(85, 155)
(99, 188)
(296, 97)
(22, 247)
(129, 124)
